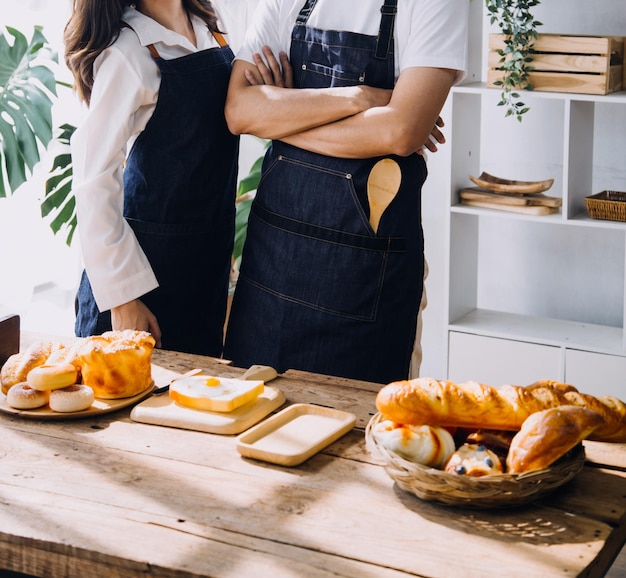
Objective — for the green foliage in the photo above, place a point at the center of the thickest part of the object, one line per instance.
(515, 19)
(59, 202)
(27, 85)
(245, 195)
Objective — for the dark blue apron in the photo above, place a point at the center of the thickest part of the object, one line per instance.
(179, 193)
(318, 289)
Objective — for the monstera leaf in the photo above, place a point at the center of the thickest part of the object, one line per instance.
(27, 87)
(59, 203)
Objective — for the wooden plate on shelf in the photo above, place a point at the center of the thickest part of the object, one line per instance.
(98, 407)
(491, 183)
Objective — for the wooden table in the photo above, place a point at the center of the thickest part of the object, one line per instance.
(107, 497)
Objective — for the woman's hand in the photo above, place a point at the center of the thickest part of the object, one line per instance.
(135, 315)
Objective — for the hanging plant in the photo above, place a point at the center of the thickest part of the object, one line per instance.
(516, 21)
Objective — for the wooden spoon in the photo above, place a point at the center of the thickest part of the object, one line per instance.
(382, 185)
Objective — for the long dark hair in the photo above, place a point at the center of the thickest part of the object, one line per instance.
(95, 24)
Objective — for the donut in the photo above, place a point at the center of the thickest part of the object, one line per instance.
(75, 397)
(49, 377)
(23, 396)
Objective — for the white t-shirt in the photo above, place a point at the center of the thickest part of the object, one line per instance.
(428, 33)
(125, 92)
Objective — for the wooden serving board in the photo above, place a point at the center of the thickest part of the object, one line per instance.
(295, 434)
(479, 194)
(162, 410)
(525, 209)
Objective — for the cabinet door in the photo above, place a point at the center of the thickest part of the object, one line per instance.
(501, 361)
(596, 373)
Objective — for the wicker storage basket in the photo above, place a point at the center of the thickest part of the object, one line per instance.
(607, 205)
(500, 491)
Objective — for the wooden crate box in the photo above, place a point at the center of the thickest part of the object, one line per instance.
(575, 64)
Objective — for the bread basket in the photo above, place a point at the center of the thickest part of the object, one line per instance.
(499, 491)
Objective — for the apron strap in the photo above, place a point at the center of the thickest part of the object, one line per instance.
(303, 17)
(220, 39)
(153, 51)
(382, 244)
(385, 32)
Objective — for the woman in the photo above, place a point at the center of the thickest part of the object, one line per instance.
(155, 169)
(320, 289)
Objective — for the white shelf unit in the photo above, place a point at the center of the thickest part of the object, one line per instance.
(537, 297)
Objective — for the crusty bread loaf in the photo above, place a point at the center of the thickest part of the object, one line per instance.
(427, 401)
(548, 435)
(117, 364)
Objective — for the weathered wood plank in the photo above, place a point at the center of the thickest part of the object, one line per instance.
(334, 506)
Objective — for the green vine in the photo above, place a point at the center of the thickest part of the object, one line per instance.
(515, 19)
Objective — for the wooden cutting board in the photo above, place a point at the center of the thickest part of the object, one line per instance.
(162, 410)
(524, 200)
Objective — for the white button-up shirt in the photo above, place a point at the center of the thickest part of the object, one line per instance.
(124, 96)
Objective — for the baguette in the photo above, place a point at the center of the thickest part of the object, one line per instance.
(548, 435)
(427, 401)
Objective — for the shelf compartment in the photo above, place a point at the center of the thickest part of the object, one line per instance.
(542, 330)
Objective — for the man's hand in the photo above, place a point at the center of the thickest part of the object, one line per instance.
(135, 315)
(435, 137)
(271, 71)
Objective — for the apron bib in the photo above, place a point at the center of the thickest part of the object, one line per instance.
(318, 289)
(179, 193)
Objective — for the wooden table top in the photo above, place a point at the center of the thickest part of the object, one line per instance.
(107, 496)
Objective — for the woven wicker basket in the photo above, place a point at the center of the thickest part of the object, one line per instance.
(607, 205)
(499, 491)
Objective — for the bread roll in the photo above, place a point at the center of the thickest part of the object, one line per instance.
(475, 461)
(427, 401)
(426, 445)
(15, 369)
(548, 435)
(48, 377)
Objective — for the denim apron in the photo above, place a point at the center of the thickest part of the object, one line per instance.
(179, 198)
(318, 289)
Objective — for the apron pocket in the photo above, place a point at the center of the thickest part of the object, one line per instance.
(344, 272)
(317, 75)
(311, 214)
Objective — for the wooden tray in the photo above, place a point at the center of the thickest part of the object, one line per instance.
(295, 434)
(491, 183)
(162, 410)
(99, 407)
